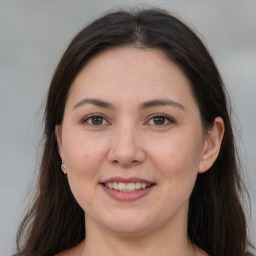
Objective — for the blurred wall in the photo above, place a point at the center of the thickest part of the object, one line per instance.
(35, 33)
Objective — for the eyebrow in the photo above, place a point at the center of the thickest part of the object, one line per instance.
(144, 105)
(161, 102)
(96, 102)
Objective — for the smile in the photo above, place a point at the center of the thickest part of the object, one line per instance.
(127, 187)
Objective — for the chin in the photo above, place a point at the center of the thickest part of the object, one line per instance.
(129, 224)
(127, 230)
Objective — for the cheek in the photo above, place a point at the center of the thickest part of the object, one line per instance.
(178, 154)
(177, 160)
(80, 151)
(83, 157)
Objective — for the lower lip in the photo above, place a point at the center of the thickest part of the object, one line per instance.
(127, 196)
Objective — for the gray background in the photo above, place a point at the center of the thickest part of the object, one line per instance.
(33, 36)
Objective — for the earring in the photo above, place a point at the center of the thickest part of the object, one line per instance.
(63, 167)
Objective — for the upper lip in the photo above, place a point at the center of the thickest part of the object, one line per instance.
(127, 180)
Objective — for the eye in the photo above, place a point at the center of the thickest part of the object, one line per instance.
(160, 120)
(95, 120)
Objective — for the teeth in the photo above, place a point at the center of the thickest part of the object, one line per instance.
(115, 185)
(130, 186)
(121, 186)
(138, 185)
(127, 187)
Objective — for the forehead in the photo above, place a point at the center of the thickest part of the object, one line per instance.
(129, 60)
(130, 72)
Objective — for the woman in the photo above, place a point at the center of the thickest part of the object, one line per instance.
(139, 155)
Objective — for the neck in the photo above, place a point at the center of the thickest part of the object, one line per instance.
(162, 242)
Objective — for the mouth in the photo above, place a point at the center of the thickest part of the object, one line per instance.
(127, 184)
(127, 187)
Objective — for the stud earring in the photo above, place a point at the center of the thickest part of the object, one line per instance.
(63, 167)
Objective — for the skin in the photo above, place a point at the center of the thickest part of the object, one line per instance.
(129, 141)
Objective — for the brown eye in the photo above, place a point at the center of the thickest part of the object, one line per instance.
(95, 121)
(159, 120)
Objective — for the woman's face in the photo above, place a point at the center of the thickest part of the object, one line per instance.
(132, 141)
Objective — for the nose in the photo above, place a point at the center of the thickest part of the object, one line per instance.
(125, 148)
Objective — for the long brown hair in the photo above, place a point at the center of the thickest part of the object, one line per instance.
(216, 220)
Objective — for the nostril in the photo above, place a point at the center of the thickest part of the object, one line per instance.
(126, 152)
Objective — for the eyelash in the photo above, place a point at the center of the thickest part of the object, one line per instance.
(167, 120)
(90, 117)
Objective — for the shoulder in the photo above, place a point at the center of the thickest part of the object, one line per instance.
(69, 252)
(72, 251)
(64, 253)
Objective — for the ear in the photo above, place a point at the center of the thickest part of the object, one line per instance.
(59, 139)
(212, 145)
